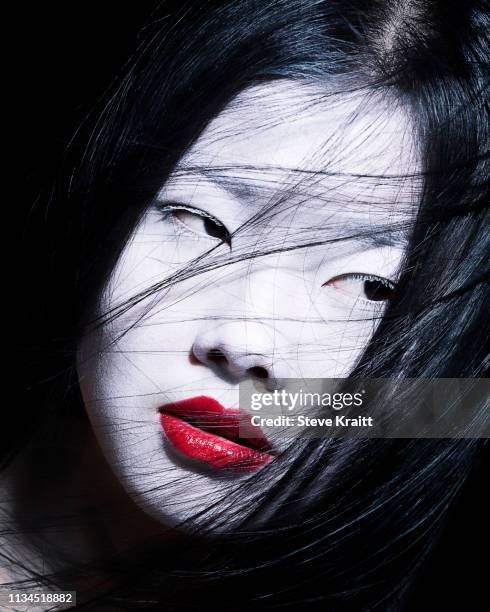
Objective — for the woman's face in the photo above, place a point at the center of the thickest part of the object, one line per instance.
(280, 168)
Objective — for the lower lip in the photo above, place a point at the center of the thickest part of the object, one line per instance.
(206, 447)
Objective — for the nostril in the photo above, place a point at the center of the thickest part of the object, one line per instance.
(193, 358)
(231, 363)
(217, 357)
(259, 372)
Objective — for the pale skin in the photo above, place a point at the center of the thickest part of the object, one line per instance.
(301, 313)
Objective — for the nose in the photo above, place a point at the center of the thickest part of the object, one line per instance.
(248, 332)
(225, 351)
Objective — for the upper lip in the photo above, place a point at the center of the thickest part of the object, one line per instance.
(208, 414)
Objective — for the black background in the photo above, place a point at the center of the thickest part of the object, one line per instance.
(69, 54)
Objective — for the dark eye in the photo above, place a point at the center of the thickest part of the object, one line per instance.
(366, 287)
(378, 290)
(198, 222)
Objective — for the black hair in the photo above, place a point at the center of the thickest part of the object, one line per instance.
(348, 523)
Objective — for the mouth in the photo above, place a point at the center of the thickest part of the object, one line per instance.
(204, 430)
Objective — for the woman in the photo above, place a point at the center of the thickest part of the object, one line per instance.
(271, 190)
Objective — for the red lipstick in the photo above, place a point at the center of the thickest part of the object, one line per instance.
(202, 429)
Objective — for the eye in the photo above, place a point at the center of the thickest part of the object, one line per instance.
(198, 221)
(367, 287)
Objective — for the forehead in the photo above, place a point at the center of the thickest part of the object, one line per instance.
(339, 164)
(285, 126)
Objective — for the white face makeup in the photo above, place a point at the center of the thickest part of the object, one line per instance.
(281, 167)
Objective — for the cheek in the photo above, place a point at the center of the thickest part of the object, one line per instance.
(327, 331)
(154, 253)
(118, 359)
(121, 413)
(331, 350)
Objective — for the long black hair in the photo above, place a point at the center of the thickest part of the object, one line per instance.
(346, 524)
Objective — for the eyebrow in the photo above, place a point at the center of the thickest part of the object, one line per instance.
(238, 188)
(373, 236)
(381, 236)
